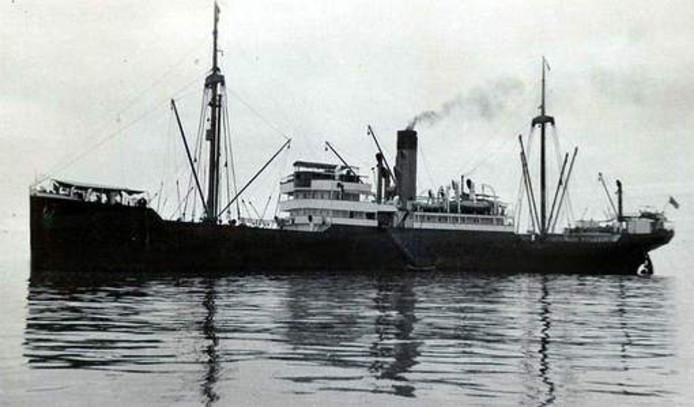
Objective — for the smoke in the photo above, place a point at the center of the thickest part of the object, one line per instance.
(631, 88)
(428, 116)
(487, 102)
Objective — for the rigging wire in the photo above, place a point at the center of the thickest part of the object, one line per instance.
(161, 186)
(521, 189)
(178, 198)
(592, 185)
(476, 164)
(183, 203)
(196, 152)
(177, 170)
(485, 158)
(231, 149)
(161, 78)
(274, 182)
(167, 158)
(279, 190)
(569, 212)
(201, 168)
(68, 161)
(521, 193)
(432, 184)
(248, 212)
(226, 171)
(180, 204)
(228, 146)
(257, 114)
(267, 203)
(227, 142)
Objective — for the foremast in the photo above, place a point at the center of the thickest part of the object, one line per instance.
(214, 82)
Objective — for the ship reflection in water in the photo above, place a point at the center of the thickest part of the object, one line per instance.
(310, 338)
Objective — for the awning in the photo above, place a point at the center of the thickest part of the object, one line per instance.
(94, 187)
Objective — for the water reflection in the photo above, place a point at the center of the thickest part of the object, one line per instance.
(87, 327)
(545, 317)
(393, 350)
(322, 313)
(209, 330)
(506, 339)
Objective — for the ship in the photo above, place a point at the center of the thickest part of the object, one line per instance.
(331, 219)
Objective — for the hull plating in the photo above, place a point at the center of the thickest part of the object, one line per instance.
(73, 235)
(505, 251)
(79, 237)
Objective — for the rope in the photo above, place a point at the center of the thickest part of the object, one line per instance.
(521, 194)
(257, 114)
(426, 167)
(519, 203)
(231, 150)
(569, 212)
(227, 148)
(166, 73)
(180, 204)
(69, 161)
(279, 191)
(196, 151)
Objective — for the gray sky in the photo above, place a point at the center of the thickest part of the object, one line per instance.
(73, 73)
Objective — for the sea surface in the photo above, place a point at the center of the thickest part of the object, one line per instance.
(426, 338)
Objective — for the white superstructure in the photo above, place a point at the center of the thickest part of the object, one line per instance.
(318, 195)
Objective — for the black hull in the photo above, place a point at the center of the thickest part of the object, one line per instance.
(76, 236)
(504, 252)
(69, 236)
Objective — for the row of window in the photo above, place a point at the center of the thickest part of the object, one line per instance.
(459, 220)
(328, 195)
(330, 213)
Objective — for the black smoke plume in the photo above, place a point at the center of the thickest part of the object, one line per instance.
(487, 102)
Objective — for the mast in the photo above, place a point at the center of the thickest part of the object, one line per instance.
(214, 82)
(543, 169)
(542, 120)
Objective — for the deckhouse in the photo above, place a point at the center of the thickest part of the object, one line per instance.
(318, 195)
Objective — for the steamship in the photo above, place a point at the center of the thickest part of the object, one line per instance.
(331, 220)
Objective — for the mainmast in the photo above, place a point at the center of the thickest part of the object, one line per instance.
(542, 120)
(214, 82)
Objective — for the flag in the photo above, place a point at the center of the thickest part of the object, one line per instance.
(674, 203)
(544, 61)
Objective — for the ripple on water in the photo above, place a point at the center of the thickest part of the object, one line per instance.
(507, 339)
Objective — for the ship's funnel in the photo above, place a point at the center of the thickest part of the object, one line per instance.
(406, 166)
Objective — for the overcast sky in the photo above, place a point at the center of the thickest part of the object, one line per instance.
(75, 73)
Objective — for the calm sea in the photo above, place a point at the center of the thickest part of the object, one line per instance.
(332, 339)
